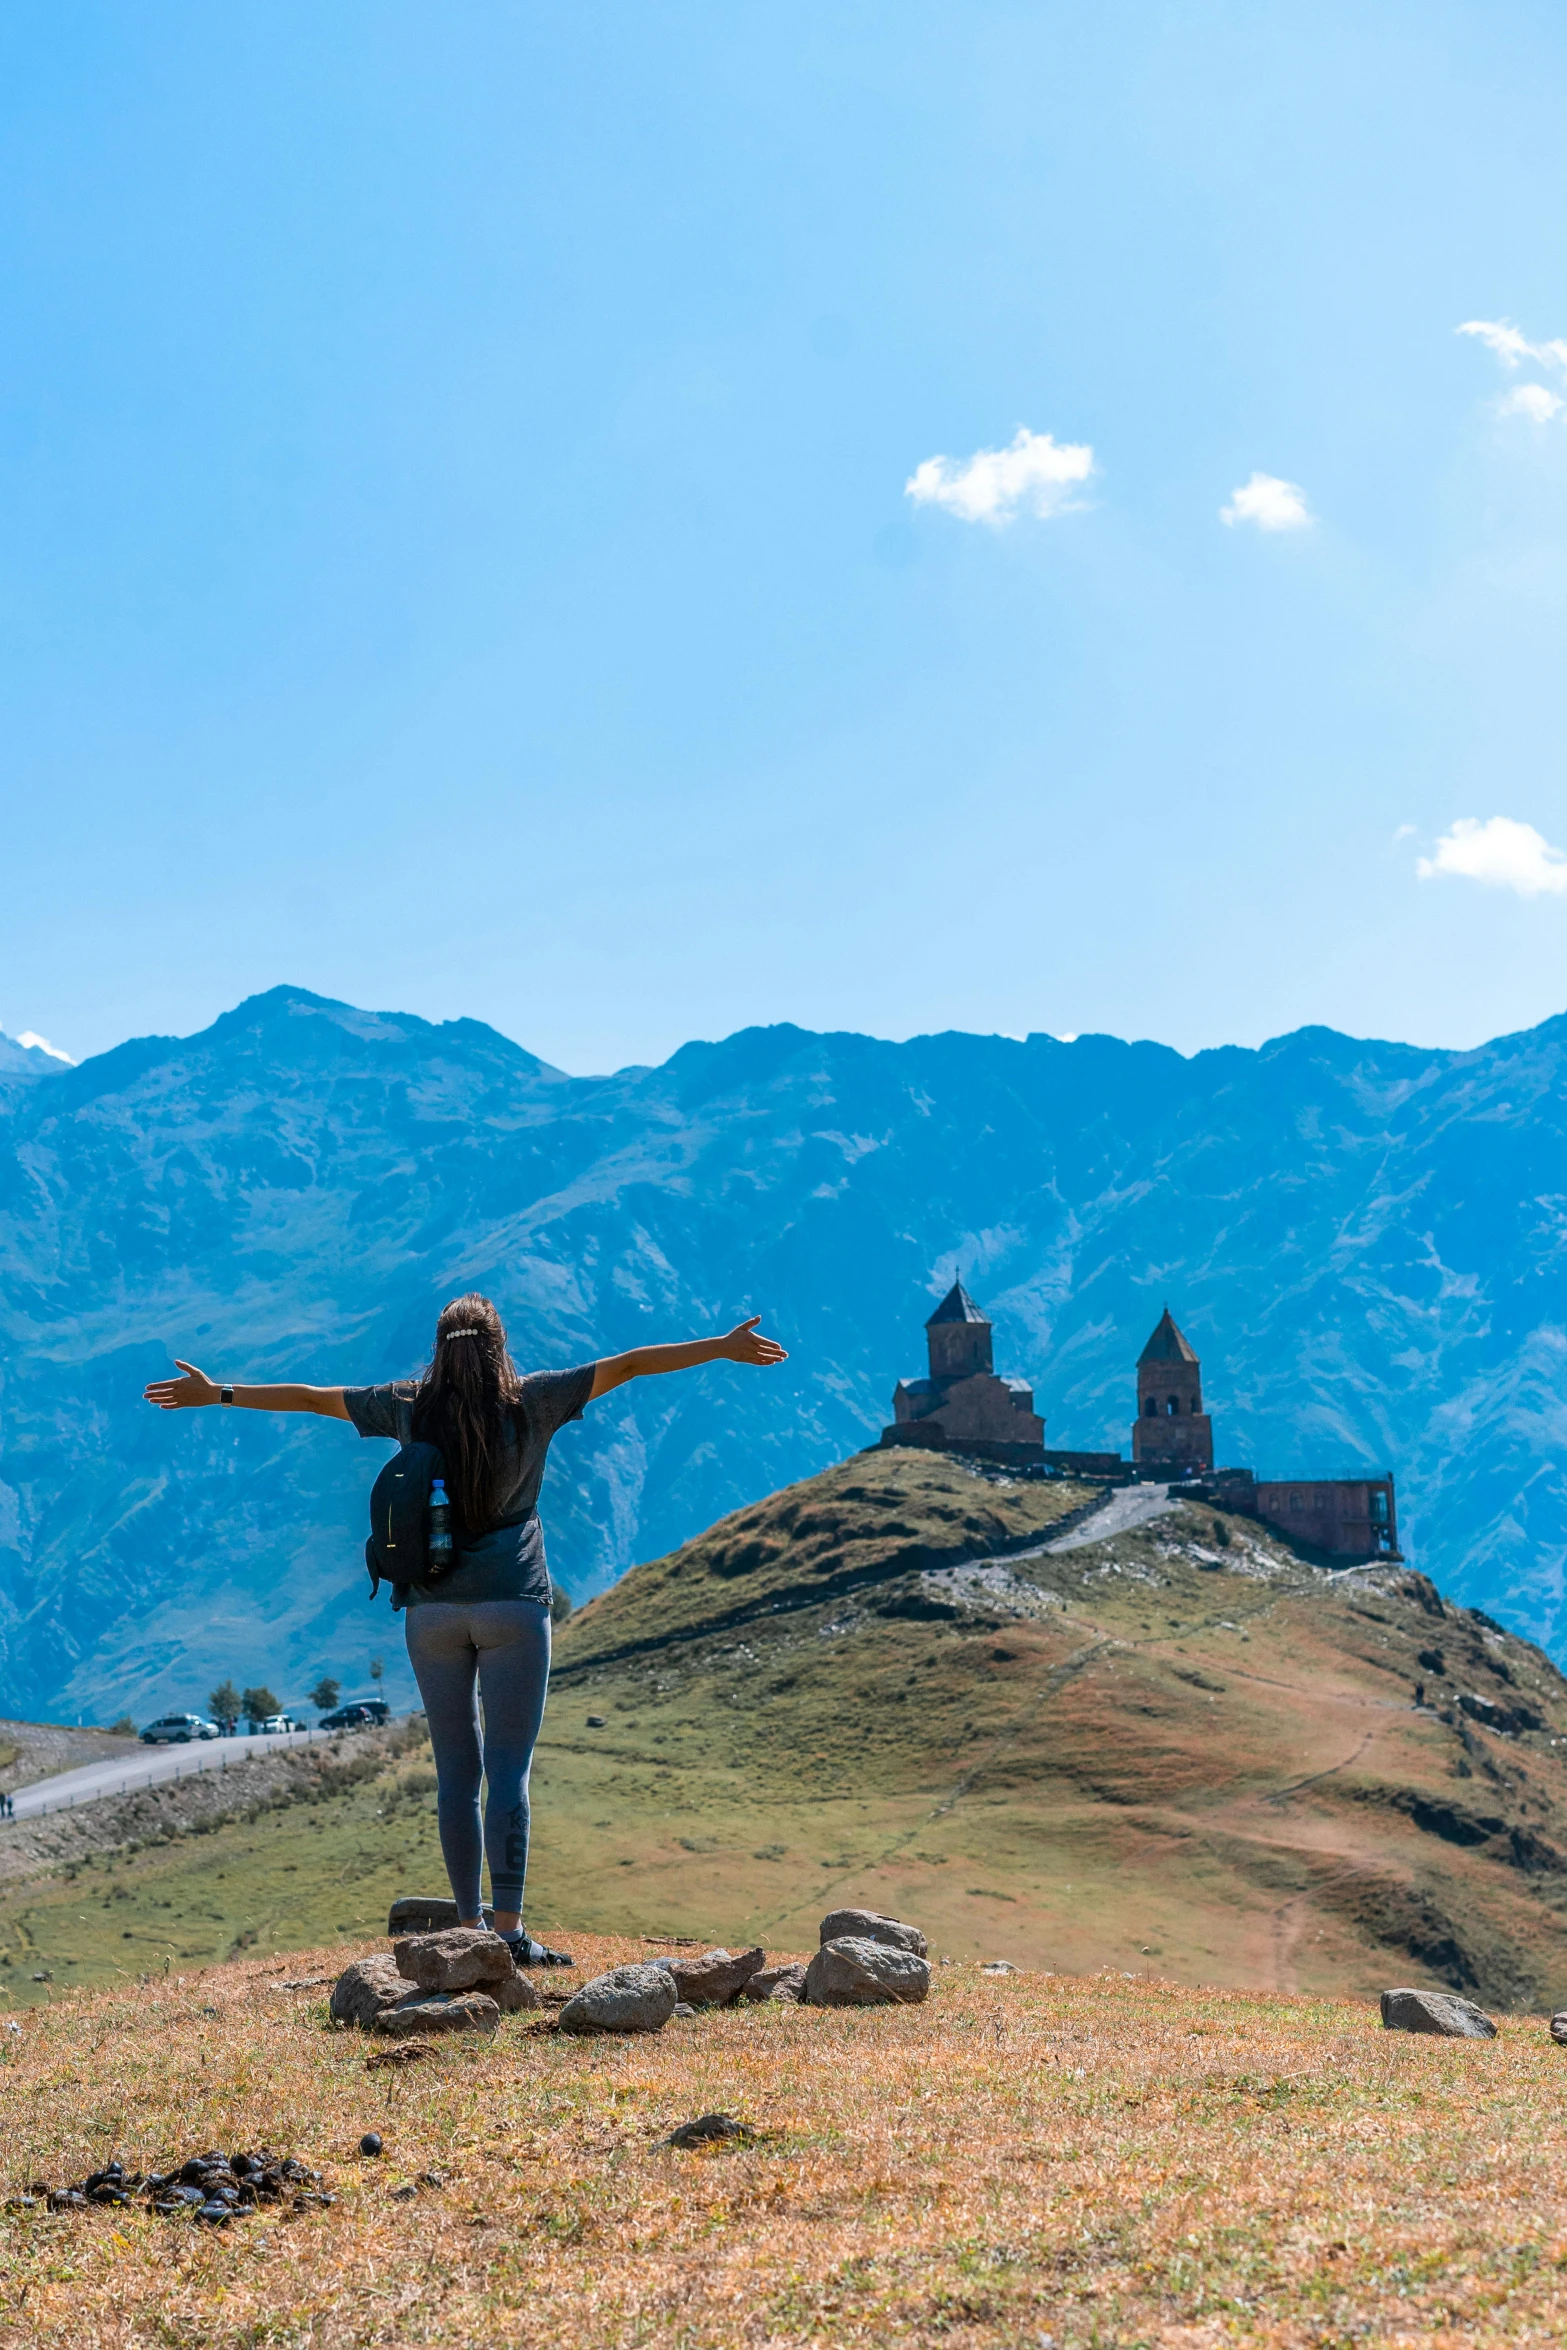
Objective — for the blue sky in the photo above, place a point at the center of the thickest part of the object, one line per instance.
(457, 552)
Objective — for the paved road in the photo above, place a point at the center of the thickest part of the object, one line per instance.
(145, 1766)
(1131, 1505)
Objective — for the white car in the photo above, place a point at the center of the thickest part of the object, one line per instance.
(277, 1725)
(178, 1730)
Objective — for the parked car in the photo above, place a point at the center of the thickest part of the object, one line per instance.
(276, 1725)
(363, 1714)
(178, 1730)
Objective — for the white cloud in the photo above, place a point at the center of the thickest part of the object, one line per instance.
(1501, 853)
(1533, 401)
(37, 1043)
(1510, 346)
(1035, 475)
(1268, 502)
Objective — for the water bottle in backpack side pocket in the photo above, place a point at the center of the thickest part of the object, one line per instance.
(439, 1553)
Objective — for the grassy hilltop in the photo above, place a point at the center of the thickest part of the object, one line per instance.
(1185, 1750)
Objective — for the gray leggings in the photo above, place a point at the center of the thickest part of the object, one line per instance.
(500, 1648)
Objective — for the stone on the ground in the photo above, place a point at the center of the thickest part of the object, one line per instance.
(865, 1926)
(424, 2012)
(1442, 2012)
(626, 1999)
(516, 1992)
(365, 1988)
(1559, 2027)
(716, 1979)
(460, 1958)
(777, 1982)
(421, 1913)
(852, 1971)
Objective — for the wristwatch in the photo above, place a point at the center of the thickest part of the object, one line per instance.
(225, 1395)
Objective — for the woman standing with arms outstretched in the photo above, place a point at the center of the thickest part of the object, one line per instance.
(485, 1629)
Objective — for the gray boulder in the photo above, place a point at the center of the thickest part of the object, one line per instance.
(777, 1982)
(365, 1988)
(627, 1999)
(459, 1958)
(1442, 2012)
(517, 1992)
(863, 1925)
(716, 1979)
(1559, 2027)
(424, 2013)
(421, 1913)
(852, 1971)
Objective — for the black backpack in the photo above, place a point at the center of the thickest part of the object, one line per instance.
(396, 1552)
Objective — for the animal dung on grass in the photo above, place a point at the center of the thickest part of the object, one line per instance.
(711, 2129)
(1439, 2012)
(213, 2188)
(716, 1979)
(852, 1971)
(400, 2053)
(637, 1998)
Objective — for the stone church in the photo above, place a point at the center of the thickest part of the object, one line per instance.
(962, 1406)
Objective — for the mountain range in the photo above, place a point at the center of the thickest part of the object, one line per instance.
(1365, 1242)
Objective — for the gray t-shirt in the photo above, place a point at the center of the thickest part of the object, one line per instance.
(508, 1562)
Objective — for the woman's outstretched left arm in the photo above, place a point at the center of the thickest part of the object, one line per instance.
(742, 1344)
(195, 1389)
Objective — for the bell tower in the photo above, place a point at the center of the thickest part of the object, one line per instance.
(1172, 1429)
(957, 1337)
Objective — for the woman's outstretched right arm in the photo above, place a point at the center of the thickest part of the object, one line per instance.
(195, 1388)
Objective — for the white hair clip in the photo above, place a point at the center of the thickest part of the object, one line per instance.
(461, 1334)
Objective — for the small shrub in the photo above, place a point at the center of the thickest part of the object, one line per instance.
(1221, 1534)
(123, 1728)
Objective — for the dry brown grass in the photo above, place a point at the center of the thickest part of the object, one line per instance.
(1025, 2159)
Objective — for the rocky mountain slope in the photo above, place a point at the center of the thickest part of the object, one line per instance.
(1367, 1243)
(1178, 1748)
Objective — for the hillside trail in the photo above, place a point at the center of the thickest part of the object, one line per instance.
(1131, 1507)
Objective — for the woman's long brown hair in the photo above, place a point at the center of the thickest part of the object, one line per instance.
(462, 1405)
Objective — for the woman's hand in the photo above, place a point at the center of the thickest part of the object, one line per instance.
(178, 1395)
(744, 1345)
(740, 1345)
